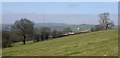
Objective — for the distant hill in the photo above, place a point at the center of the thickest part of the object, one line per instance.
(49, 24)
(80, 26)
(6, 26)
(58, 26)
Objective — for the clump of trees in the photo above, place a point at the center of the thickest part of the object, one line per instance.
(36, 35)
(45, 32)
(55, 33)
(6, 39)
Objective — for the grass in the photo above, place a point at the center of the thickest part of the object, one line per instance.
(100, 43)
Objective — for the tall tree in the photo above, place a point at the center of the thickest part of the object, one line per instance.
(23, 27)
(105, 21)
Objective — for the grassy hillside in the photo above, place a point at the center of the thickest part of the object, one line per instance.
(100, 43)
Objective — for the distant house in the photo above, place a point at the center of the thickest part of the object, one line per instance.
(71, 33)
(50, 36)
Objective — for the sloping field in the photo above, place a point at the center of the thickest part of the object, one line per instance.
(100, 43)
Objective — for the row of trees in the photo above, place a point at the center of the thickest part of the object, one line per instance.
(23, 30)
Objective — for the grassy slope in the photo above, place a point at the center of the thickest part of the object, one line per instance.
(100, 43)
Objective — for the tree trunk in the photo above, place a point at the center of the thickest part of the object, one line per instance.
(106, 27)
(24, 39)
(42, 36)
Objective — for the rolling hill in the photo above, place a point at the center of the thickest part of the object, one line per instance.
(99, 43)
(57, 26)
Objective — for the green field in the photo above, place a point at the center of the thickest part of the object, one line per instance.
(100, 43)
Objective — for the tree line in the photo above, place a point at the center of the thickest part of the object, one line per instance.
(23, 30)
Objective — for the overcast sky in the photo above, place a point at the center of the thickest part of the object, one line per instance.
(58, 12)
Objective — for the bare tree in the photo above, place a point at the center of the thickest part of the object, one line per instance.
(23, 27)
(105, 21)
